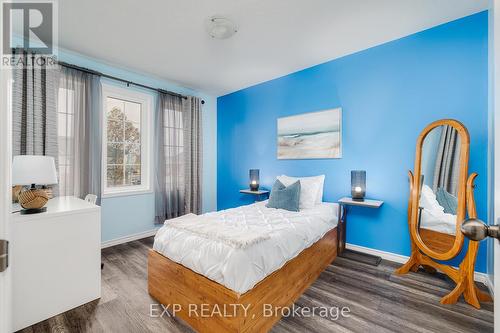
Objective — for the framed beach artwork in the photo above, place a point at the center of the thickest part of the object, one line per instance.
(310, 135)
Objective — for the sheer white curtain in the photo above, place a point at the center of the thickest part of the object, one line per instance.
(79, 110)
(193, 153)
(178, 152)
(169, 160)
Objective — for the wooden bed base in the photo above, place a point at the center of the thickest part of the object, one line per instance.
(208, 306)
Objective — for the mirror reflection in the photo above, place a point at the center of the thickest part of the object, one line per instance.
(440, 164)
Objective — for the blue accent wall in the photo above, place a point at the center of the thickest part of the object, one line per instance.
(388, 94)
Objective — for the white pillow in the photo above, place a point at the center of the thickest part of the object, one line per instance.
(320, 179)
(428, 200)
(311, 189)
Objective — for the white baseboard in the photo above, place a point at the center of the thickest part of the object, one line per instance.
(478, 276)
(384, 255)
(129, 238)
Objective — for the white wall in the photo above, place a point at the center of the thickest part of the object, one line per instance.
(5, 198)
(494, 130)
(491, 145)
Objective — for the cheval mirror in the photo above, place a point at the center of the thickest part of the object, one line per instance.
(441, 194)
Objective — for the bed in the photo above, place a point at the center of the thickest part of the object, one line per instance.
(438, 221)
(432, 214)
(436, 228)
(217, 285)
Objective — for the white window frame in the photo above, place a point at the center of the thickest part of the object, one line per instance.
(146, 101)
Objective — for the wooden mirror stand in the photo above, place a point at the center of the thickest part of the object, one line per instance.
(426, 256)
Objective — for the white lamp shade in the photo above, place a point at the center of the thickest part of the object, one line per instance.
(33, 169)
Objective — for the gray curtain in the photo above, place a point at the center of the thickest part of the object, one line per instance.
(178, 157)
(193, 154)
(169, 158)
(34, 113)
(447, 161)
(80, 133)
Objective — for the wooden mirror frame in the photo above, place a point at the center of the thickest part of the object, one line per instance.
(461, 193)
(421, 254)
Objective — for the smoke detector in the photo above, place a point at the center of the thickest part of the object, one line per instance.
(220, 27)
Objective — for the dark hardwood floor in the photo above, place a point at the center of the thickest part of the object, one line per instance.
(378, 301)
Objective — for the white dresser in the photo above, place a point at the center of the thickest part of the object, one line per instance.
(56, 260)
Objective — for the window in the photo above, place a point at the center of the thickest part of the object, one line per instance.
(65, 137)
(126, 141)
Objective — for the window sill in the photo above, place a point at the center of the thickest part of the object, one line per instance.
(126, 193)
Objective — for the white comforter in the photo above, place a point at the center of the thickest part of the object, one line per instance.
(433, 215)
(237, 268)
(439, 221)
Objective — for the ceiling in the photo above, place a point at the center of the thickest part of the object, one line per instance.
(167, 38)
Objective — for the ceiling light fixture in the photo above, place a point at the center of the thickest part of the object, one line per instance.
(220, 27)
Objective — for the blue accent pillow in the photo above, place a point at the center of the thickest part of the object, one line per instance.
(283, 197)
(448, 201)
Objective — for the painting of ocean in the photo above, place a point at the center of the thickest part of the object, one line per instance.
(310, 135)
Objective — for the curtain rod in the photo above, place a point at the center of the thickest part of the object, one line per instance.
(90, 71)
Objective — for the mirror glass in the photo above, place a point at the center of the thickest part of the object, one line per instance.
(439, 181)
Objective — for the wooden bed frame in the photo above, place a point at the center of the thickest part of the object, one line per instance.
(436, 240)
(208, 306)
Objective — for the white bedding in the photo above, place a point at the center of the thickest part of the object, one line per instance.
(207, 226)
(439, 221)
(433, 215)
(240, 269)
